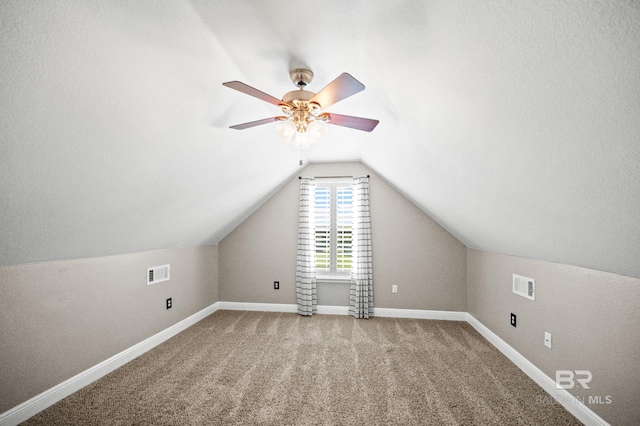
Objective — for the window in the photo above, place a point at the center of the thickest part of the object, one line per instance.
(333, 218)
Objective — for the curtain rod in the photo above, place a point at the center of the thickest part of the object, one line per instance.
(328, 177)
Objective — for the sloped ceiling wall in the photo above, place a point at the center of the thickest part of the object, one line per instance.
(516, 125)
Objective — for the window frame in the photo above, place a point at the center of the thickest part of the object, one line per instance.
(333, 273)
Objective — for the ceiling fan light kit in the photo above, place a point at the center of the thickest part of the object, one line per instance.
(302, 109)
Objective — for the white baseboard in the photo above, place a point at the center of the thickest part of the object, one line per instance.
(420, 314)
(38, 403)
(281, 307)
(49, 397)
(568, 401)
(260, 307)
(277, 307)
(333, 310)
(344, 310)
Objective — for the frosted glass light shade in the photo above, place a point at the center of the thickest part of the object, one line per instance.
(286, 130)
(316, 132)
(301, 140)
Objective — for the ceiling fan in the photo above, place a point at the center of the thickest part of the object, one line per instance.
(303, 109)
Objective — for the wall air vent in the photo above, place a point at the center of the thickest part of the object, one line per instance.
(157, 274)
(523, 286)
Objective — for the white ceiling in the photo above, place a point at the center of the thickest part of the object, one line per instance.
(516, 125)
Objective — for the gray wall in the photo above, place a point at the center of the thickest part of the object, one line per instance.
(410, 250)
(593, 316)
(60, 318)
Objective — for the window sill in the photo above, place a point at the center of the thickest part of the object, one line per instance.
(333, 280)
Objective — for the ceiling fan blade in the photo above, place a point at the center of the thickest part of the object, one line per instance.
(245, 88)
(359, 123)
(340, 88)
(256, 123)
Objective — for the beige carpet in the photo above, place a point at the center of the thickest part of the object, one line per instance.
(254, 368)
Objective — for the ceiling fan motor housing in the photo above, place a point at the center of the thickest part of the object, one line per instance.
(298, 96)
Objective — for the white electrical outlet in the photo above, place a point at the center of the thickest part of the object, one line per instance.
(394, 289)
(547, 339)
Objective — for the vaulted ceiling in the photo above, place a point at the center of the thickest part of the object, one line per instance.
(515, 125)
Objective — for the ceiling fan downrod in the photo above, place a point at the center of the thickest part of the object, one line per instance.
(301, 77)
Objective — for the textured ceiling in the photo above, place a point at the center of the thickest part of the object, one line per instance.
(516, 125)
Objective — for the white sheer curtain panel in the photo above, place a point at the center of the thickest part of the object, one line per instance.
(305, 265)
(361, 299)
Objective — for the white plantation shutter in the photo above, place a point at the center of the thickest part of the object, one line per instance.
(344, 228)
(322, 220)
(333, 218)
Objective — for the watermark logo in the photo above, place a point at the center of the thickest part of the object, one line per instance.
(566, 379)
(573, 399)
(570, 379)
